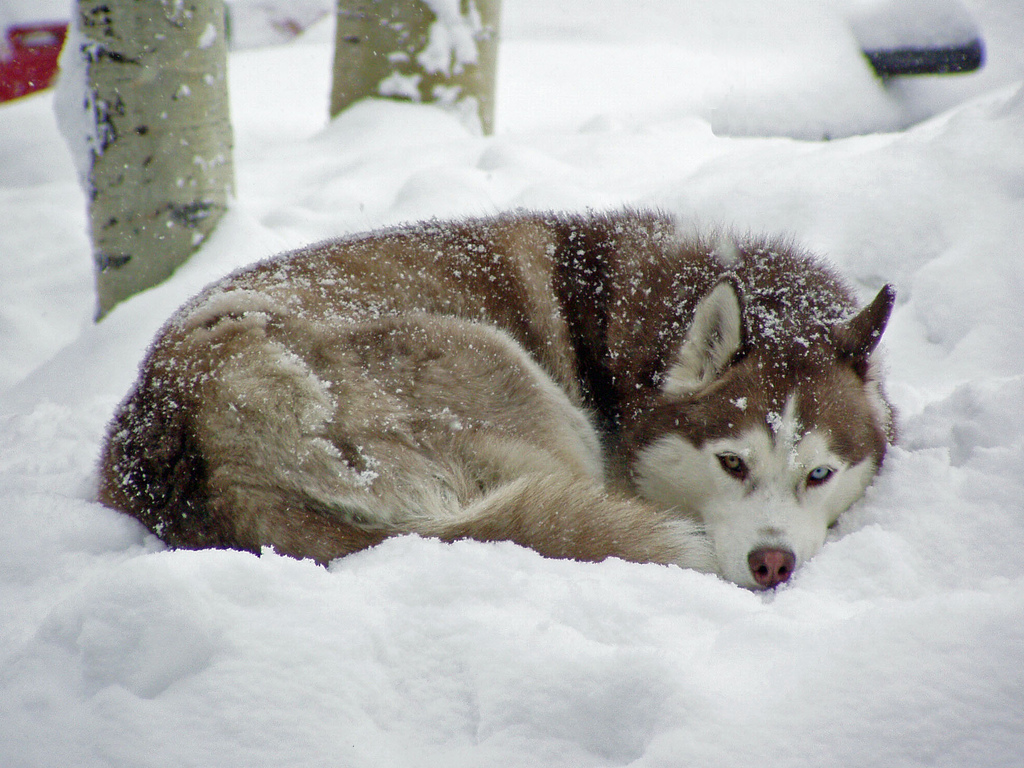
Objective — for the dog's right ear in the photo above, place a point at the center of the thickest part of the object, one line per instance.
(713, 339)
(857, 338)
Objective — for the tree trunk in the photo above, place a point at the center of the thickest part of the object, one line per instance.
(157, 103)
(442, 51)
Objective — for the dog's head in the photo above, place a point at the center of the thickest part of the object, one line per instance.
(766, 445)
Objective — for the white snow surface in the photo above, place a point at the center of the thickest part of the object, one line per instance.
(895, 24)
(900, 644)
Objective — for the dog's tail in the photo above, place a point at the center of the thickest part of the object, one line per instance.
(153, 468)
(561, 516)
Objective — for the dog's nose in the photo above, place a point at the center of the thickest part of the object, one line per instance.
(771, 567)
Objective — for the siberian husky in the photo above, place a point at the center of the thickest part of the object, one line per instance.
(591, 386)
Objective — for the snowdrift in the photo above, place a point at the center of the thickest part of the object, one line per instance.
(901, 644)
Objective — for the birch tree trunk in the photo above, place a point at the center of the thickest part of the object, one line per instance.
(442, 51)
(161, 166)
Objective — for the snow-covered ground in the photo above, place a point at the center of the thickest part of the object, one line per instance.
(901, 644)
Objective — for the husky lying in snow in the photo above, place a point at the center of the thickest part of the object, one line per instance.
(589, 386)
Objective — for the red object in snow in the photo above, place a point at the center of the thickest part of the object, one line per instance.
(28, 58)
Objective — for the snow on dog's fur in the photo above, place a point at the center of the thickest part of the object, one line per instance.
(586, 385)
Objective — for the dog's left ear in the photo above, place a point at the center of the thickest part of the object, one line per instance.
(857, 337)
(713, 339)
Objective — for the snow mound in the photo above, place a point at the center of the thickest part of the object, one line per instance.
(901, 643)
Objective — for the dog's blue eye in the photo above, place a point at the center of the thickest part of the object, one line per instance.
(819, 475)
(733, 465)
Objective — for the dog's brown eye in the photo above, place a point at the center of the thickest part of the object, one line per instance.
(819, 475)
(733, 464)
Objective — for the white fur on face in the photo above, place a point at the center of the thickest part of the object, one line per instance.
(772, 504)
